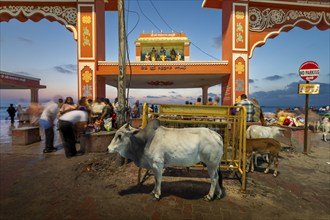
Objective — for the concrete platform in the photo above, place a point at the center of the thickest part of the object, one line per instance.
(25, 135)
(96, 142)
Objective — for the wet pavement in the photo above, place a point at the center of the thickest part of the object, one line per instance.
(34, 185)
(6, 139)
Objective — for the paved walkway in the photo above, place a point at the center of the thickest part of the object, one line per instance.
(49, 186)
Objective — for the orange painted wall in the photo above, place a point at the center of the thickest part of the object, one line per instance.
(100, 30)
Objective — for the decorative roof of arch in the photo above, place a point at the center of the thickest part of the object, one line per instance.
(217, 4)
(63, 11)
(267, 19)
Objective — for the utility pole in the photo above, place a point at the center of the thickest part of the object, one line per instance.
(121, 91)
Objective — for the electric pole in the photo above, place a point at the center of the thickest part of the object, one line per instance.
(121, 91)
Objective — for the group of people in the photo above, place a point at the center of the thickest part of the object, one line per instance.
(209, 101)
(73, 118)
(19, 112)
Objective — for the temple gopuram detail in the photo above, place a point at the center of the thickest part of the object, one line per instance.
(162, 47)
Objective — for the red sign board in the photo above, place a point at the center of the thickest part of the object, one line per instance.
(309, 71)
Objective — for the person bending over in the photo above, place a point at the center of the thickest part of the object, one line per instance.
(67, 124)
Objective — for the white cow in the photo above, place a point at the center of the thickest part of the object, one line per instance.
(258, 131)
(156, 147)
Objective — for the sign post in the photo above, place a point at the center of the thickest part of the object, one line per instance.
(308, 71)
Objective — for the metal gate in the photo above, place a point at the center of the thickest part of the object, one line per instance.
(229, 121)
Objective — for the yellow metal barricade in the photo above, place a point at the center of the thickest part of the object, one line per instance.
(229, 121)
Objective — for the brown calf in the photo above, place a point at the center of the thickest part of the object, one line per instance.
(263, 146)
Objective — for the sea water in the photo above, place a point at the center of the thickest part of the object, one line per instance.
(4, 115)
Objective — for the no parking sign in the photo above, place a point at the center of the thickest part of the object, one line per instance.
(309, 71)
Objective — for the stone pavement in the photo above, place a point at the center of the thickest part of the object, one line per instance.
(34, 185)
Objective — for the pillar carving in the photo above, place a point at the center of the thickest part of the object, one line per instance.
(240, 74)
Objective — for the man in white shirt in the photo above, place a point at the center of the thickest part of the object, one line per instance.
(66, 125)
(46, 122)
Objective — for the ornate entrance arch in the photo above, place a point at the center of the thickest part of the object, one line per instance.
(246, 24)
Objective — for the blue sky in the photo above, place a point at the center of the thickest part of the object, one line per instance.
(47, 50)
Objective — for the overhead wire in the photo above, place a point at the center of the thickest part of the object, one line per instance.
(126, 109)
(160, 15)
(177, 31)
(138, 2)
(204, 51)
(137, 22)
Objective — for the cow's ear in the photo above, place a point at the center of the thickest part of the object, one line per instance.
(127, 126)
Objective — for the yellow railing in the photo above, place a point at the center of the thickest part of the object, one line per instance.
(219, 118)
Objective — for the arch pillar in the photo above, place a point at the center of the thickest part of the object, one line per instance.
(34, 95)
(235, 30)
(91, 48)
(204, 94)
